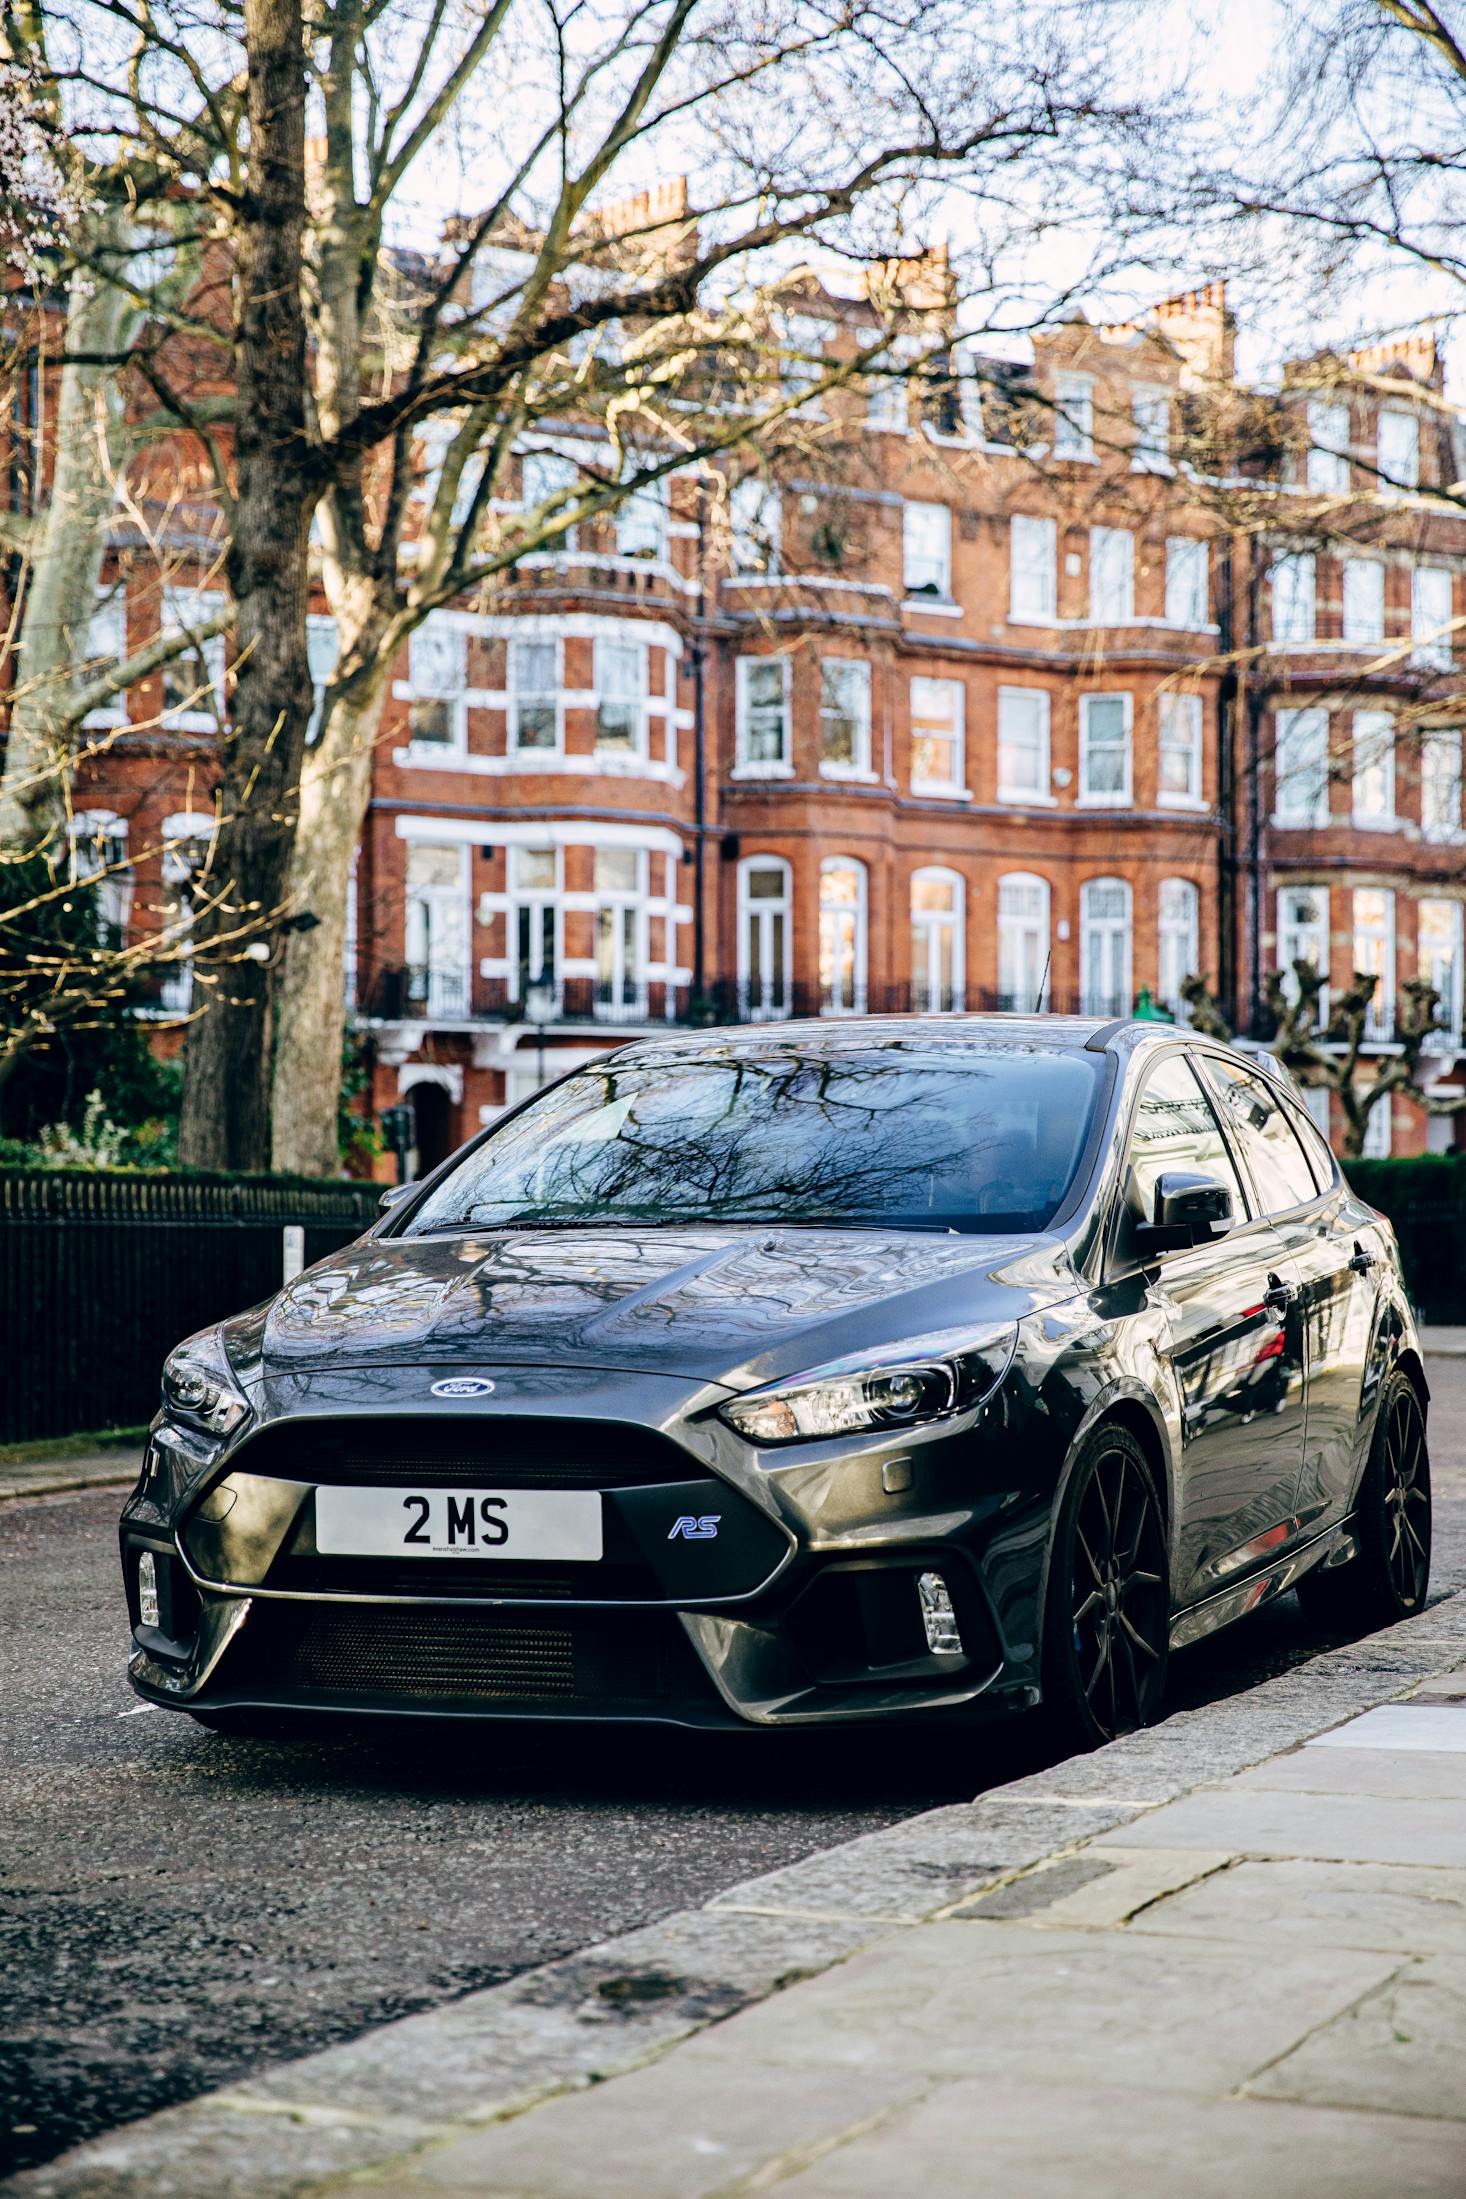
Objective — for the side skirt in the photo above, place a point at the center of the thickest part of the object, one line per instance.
(1335, 1547)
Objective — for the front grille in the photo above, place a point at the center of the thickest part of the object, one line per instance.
(442, 1655)
(307, 1573)
(492, 1451)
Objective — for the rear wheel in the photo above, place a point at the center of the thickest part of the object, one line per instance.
(1107, 1624)
(1388, 1576)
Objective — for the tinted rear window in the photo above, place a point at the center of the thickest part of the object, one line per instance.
(986, 1141)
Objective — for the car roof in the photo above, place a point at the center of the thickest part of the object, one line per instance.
(845, 1034)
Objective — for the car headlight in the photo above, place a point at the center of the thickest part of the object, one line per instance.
(947, 1374)
(199, 1386)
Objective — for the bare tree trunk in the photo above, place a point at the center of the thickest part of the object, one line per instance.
(66, 551)
(225, 1120)
(335, 790)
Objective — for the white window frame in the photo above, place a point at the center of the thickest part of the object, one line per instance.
(111, 867)
(1288, 730)
(1178, 941)
(1380, 1022)
(1364, 601)
(182, 609)
(1440, 788)
(859, 766)
(1074, 418)
(535, 902)
(1097, 935)
(1179, 731)
(834, 999)
(518, 642)
(774, 1002)
(447, 682)
(449, 991)
(1188, 583)
(106, 646)
(1431, 624)
(1021, 936)
(1304, 940)
(637, 649)
(927, 927)
(622, 994)
(927, 723)
(755, 528)
(1399, 472)
(1036, 740)
(1111, 576)
(753, 767)
(1443, 969)
(1373, 797)
(1293, 595)
(1087, 798)
(1150, 409)
(888, 389)
(642, 520)
(926, 567)
(175, 993)
(1033, 570)
(1327, 465)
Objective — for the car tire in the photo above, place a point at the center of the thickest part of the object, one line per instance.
(1389, 1574)
(1107, 1611)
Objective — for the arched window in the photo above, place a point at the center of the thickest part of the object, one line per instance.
(187, 836)
(763, 937)
(842, 936)
(937, 972)
(99, 851)
(1180, 941)
(1023, 942)
(1104, 946)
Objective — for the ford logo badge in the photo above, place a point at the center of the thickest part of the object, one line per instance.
(464, 1385)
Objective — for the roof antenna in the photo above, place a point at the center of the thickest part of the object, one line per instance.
(1038, 1006)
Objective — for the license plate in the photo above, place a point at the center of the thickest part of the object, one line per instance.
(459, 1523)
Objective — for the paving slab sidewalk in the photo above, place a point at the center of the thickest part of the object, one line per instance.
(1228, 1950)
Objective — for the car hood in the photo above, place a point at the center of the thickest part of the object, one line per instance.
(735, 1305)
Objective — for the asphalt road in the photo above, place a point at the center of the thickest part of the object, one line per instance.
(178, 1909)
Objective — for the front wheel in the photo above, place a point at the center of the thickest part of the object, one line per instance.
(1107, 1617)
(1388, 1575)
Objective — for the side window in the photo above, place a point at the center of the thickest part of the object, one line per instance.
(1173, 1127)
(1320, 1159)
(1262, 1127)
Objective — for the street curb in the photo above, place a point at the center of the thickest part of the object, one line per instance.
(66, 1479)
(428, 2079)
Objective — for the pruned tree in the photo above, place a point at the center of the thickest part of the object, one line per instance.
(1330, 1041)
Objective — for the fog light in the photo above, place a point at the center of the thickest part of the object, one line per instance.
(147, 1591)
(943, 1636)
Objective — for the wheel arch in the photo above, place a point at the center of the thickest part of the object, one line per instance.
(1139, 1416)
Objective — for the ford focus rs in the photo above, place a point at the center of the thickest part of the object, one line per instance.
(802, 1374)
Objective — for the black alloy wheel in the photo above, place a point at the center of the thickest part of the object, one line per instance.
(1389, 1574)
(1107, 1630)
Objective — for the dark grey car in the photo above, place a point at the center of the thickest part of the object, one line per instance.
(803, 1373)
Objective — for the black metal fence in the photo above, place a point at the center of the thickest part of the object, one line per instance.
(101, 1274)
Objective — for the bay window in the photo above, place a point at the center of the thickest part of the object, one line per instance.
(437, 937)
(620, 698)
(534, 696)
(620, 932)
(763, 728)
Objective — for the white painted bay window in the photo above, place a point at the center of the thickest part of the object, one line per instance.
(842, 936)
(437, 938)
(1023, 942)
(534, 924)
(937, 761)
(620, 698)
(641, 523)
(1301, 768)
(1033, 569)
(926, 534)
(1104, 946)
(1188, 563)
(620, 932)
(1374, 770)
(534, 697)
(1111, 576)
(1179, 941)
(765, 907)
(762, 702)
(936, 941)
(1104, 751)
(1178, 781)
(844, 717)
(1023, 745)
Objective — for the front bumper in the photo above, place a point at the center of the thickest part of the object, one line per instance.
(801, 1610)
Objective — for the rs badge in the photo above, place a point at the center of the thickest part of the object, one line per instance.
(695, 1530)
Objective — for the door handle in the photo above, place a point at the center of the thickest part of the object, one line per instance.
(1362, 1261)
(1279, 1295)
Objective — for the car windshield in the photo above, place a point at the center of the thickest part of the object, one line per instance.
(980, 1139)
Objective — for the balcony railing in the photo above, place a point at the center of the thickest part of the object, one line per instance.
(411, 994)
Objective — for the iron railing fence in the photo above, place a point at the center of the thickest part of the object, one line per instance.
(101, 1274)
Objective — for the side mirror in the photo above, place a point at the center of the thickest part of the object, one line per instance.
(1189, 1210)
(394, 1194)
